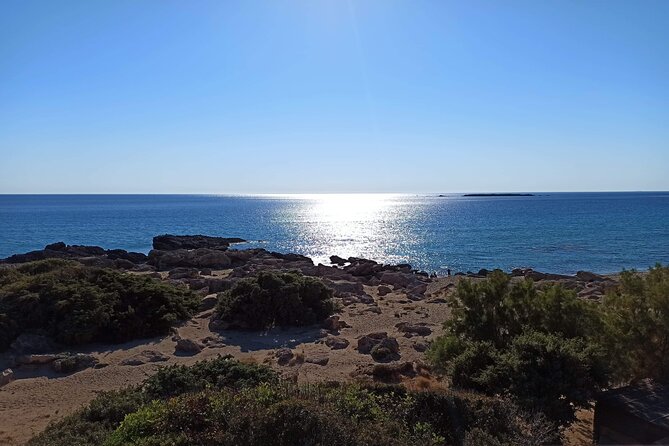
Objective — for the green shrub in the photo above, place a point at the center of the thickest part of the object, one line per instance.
(76, 304)
(228, 403)
(270, 298)
(94, 424)
(222, 372)
(538, 345)
(637, 325)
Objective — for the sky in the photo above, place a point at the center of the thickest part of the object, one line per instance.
(333, 96)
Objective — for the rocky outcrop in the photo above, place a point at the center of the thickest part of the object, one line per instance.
(334, 323)
(73, 363)
(380, 346)
(115, 258)
(409, 329)
(188, 346)
(336, 343)
(147, 356)
(170, 242)
(196, 258)
(336, 260)
(283, 356)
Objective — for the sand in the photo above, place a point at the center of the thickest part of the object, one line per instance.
(38, 396)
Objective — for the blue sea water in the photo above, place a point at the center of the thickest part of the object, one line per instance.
(556, 232)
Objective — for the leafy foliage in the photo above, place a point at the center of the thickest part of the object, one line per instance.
(536, 345)
(271, 298)
(76, 304)
(92, 425)
(636, 315)
(251, 407)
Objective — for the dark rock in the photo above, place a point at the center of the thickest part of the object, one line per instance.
(188, 346)
(587, 276)
(421, 346)
(147, 356)
(318, 360)
(336, 343)
(398, 280)
(336, 260)
(170, 242)
(184, 273)
(417, 329)
(73, 363)
(361, 268)
(333, 323)
(123, 264)
(367, 342)
(345, 287)
(196, 258)
(383, 290)
(385, 351)
(283, 356)
(58, 246)
(39, 359)
(290, 257)
(122, 254)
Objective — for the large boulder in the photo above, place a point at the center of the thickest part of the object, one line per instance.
(145, 357)
(188, 346)
(587, 276)
(170, 242)
(396, 279)
(336, 343)
(73, 363)
(134, 257)
(419, 329)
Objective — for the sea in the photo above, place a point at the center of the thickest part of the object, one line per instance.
(552, 232)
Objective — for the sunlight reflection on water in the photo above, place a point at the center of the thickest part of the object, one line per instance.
(348, 225)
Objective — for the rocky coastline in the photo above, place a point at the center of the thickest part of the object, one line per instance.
(387, 316)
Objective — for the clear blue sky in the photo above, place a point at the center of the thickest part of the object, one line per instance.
(133, 96)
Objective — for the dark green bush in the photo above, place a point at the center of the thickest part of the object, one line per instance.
(636, 315)
(92, 425)
(222, 372)
(76, 304)
(537, 345)
(281, 299)
(229, 403)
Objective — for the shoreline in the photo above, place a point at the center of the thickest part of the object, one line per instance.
(408, 305)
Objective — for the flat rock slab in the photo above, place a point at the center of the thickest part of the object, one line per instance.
(145, 357)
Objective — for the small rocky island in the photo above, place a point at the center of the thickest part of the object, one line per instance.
(499, 195)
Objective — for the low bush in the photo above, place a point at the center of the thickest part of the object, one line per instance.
(76, 304)
(537, 345)
(271, 298)
(246, 405)
(636, 315)
(92, 425)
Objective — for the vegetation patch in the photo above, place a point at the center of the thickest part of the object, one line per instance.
(76, 304)
(275, 299)
(549, 350)
(228, 403)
